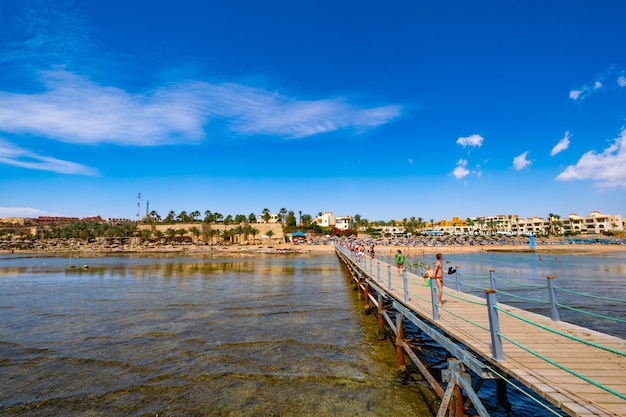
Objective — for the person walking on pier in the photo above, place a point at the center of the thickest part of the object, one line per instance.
(438, 274)
(400, 259)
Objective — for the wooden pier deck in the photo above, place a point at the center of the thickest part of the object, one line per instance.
(578, 370)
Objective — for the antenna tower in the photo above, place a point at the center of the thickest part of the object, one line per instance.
(138, 205)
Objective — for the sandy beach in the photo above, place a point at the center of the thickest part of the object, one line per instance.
(284, 248)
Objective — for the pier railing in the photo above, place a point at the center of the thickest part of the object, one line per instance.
(522, 291)
(409, 283)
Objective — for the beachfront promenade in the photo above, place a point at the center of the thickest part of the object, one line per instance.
(578, 370)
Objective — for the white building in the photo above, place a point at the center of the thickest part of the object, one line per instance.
(327, 219)
(274, 218)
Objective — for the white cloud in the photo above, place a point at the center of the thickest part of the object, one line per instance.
(76, 110)
(16, 156)
(607, 168)
(585, 91)
(562, 145)
(520, 162)
(460, 171)
(473, 140)
(574, 94)
(23, 212)
(598, 84)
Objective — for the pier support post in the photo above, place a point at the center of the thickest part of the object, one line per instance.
(494, 325)
(402, 372)
(382, 334)
(452, 401)
(552, 295)
(366, 297)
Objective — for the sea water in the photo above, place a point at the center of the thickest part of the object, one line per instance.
(187, 336)
(265, 335)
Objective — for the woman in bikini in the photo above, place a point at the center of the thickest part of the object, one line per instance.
(438, 274)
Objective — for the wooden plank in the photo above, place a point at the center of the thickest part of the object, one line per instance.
(572, 394)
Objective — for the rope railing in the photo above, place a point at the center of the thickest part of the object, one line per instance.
(417, 267)
(597, 297)
(589, 313)
(519, 284)
(497, 335)
(521, 297)
(403, 280)
(559, 333)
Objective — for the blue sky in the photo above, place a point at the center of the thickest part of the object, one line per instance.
(384, 109)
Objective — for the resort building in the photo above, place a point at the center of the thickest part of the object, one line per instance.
(274, 218)
(327, 219)
(512, 225)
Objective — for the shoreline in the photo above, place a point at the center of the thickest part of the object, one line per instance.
(289, 248)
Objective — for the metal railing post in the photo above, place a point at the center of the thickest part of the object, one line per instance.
(378, 271)
(405, 282)
(458, 281)
(433, 298)
(492, 279)
(389, 277)
(552, 295)
(494, 325)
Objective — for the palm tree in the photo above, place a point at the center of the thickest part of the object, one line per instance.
(253, 231)
(169, 219)
(195, 232)
(238, 231)
(305, 219)
(210, 234)
(281, 213)
(183, 217)
(194, 215)
(357, 221)
(171, 233)
(266, 215)
(145, 234)
(269, 234)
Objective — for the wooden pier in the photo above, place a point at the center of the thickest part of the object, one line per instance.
(579, 371)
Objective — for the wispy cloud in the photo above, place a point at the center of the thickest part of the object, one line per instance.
(521, 161)
(24, 212)
(562, 145)
(474, 141)
(16, 156)
(607, 79)
(74, 109)
(607, 168)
